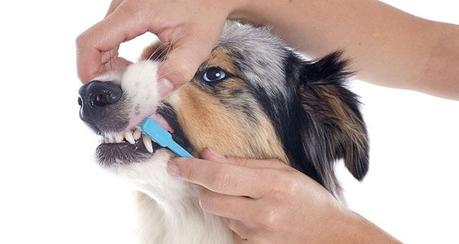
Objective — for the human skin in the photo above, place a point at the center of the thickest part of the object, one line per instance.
(267, 201)
(386, 46)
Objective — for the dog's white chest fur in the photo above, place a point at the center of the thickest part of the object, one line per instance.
(169, 211)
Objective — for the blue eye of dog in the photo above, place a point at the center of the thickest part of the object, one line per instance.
(214, 74)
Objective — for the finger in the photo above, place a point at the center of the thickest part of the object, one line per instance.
(233, 207)
(238, 240)
(116, 64)
(105, 36)
(222, 178)
(109, 58)
(187, 54)
(110, 55)
(239, 228)
(213, 155)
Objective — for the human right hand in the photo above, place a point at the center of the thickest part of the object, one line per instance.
(267, 201)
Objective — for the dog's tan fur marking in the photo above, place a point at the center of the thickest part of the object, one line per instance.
(220, 57)
(349, 123)
(208, 123)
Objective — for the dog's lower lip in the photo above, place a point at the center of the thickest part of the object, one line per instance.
(123, 153)
(125, 147)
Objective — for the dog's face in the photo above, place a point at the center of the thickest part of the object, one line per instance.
(253, 97)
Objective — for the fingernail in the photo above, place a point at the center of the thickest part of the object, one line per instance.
(173, 169)
(165, 87)
(214, 154)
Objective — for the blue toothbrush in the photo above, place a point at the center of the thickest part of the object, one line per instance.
(163, 138)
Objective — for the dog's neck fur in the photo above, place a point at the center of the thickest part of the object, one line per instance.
(168, 208)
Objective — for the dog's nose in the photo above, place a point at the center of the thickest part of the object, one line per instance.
(95, 98)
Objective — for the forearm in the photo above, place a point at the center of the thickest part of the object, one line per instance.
(356, 229)
(386, 46)
(440, 75)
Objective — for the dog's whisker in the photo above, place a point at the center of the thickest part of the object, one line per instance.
(153, 53)
(165, 52)
(161, 52)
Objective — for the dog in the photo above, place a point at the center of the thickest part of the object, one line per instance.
(254, 97)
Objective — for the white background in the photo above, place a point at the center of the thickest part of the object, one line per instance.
(52, 191)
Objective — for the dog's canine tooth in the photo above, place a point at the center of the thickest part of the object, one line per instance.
(147, 142)
(129, 137)
(137, 134)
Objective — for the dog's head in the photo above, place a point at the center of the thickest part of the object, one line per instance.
(253, 97)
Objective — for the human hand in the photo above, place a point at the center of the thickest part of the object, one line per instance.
(266, 201)
(191, 28)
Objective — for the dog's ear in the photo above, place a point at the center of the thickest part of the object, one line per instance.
(335, 112)
(156, 52)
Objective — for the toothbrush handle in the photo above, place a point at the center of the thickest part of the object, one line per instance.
(180, 151)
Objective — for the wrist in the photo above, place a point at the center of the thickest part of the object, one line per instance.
(353, 228)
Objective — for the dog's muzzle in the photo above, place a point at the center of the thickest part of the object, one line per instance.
(98, 102)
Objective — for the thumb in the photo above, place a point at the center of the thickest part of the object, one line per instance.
(98, 44)
(184, 59)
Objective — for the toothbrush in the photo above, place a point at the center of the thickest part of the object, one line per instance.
(163, 138)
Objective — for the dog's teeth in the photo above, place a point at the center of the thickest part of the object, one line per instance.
(137, 134)
(118, 138)
(147, 143)
(129, 137)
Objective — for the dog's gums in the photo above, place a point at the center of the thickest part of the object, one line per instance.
(133, 135)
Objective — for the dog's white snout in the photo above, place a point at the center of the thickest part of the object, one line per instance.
(140, 86)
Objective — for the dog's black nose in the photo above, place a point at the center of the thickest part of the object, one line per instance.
(95, 98)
